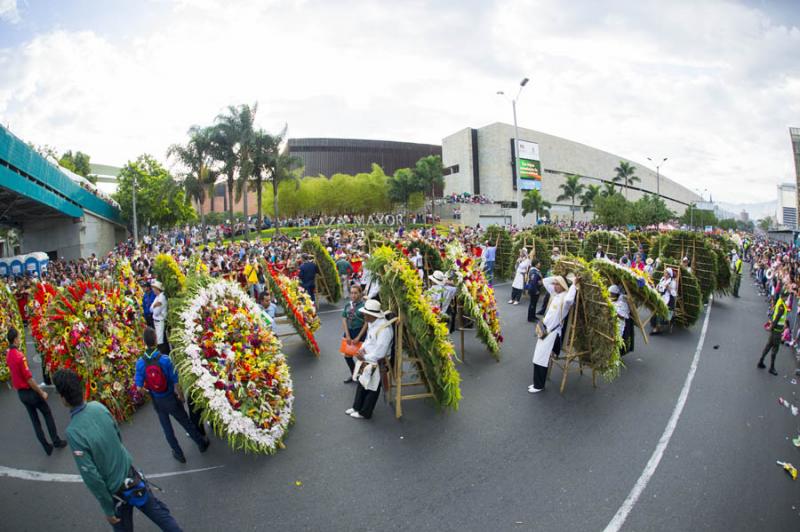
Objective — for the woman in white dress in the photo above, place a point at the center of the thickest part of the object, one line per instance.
(520, 276)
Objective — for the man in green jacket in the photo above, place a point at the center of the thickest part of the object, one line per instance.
(103, 462)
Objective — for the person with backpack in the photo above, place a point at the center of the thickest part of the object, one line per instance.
(156, 374)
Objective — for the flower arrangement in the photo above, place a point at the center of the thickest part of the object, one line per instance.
(169, 273)
(9, 317)
(41, 294)
(297, 303)
(327, 269)
(126, 280)
(96, 331)
(678, 244)
(229, 361)
(637, 281)
(426, 337)
(432, 259)
(476, 296)
(614, 244)
(597, 331)
(689, 302)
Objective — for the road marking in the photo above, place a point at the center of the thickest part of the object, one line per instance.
(27, 474)
(622, 514)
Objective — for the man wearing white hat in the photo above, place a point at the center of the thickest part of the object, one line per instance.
(668, 288)
(549, 330)
(159, 310)
(441, 292)
(375, 348)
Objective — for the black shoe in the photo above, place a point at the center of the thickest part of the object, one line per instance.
(179, 457)
(204, 445)
(772, 371)
(60, 444)
(761, 364)
(48, 449)
(348, 380)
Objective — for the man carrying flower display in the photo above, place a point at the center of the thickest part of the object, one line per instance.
(159, 311)
(367, 370)
(549, 331)
(156, 374)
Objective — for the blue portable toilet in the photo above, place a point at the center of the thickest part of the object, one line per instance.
(3, 267)
(36, 262)
(16, 266)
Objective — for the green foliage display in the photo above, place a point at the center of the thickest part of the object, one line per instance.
(642, 293)
(504, 259)
(432, 259)
(327, 268)
(9, 317)
(596, 334)
(160, 200)
(425, 336)
(169, 273)
(724, 274)
(689, 303)
(568, 243)
(546, 231)
(644, 239)
(702, 260)
(614, 244)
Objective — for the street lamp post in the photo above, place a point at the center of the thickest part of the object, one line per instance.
(658, 175)
(135, 223)
(515, 160)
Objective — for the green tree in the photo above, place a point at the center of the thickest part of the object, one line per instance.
(626, 175)
(281, 167)
(533, 202)
(429, 172)
(265, 147)
(765, 224)
(695, 217)
(649, 210)
(591, 193)
(77, 163)
(402, 185)
(571, 189)
(613, 210)
(160, 200)
(195, 157)
(609, 189)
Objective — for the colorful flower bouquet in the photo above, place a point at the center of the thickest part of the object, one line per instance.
(328, 273)
(169, 273)
(95, 331)
(126, 280)
(41, 294)
(230, 362)
(476, 296)
(297, 303)
(9, 317)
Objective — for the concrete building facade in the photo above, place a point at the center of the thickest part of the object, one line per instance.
(480, 161)
(786, 211)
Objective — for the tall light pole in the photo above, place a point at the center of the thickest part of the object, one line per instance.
(135, 224)
(515, 160)
(658, 175)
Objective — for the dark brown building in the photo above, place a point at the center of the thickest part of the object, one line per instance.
(353, 156)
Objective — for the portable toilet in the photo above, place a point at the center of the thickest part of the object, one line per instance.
(3, 267)
(36, 262)
(16, 266)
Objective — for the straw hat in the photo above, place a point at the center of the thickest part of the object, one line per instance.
(157, 284)
(372, 308)
(649, 261)
(613, 289)
(560, 280)
(437, 278)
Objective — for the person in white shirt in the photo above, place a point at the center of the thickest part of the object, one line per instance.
(561, 299)
(520, 276)
(418, 263)
(159, 310)
(649, 268)
(624, 320)
(375, 348)
(668, 288)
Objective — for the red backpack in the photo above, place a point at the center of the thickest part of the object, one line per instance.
(154, 378)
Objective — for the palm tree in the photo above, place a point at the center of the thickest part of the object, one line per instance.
(533, 202)
(280, 166)
(231, 144)
(571, 189)
(625, 175)
(591, 193)
(195, 156)
(429, 174)
(265, 146)
(609, 189)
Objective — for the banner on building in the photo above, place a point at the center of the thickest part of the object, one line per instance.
(529, 166)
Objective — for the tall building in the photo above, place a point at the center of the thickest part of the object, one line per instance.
(794, 134)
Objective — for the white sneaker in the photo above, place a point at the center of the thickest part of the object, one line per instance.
(349, 411)
(516, 302)
(356, 415)
(531, 389)
(510, 301)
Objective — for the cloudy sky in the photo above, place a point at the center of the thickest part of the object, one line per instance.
(713, 85)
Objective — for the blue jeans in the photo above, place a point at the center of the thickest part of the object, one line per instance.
(170, 406)
(490, 270)
(154, 509)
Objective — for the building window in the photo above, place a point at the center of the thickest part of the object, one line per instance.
(451, 170)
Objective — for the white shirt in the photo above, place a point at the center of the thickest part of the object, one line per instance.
(668, 288)
(159, 312)
(379, 340)
(621, 307)
(522, 269)
(559, 304)
(417, 261)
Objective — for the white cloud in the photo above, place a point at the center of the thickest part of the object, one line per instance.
(712, 85)
(9, 12)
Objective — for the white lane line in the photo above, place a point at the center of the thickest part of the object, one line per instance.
(622, 514)
(27, 474)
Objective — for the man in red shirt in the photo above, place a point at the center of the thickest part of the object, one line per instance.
(33, 397)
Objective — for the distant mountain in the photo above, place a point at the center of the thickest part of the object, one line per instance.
(755, 210)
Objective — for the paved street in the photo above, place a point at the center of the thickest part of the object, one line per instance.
(506, 460)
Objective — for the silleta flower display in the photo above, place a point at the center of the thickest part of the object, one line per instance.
(229, 361)
(300, 310)
(9, 317)
(95, 331)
